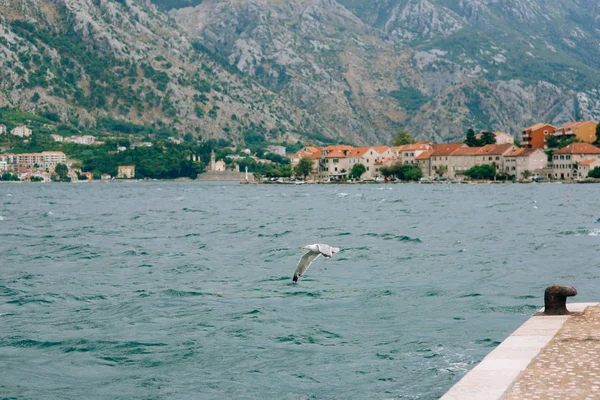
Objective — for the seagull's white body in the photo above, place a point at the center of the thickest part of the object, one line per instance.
(314, 252)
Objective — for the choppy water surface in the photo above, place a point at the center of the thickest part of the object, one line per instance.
(183, 290)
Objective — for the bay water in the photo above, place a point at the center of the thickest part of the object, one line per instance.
(182, 290)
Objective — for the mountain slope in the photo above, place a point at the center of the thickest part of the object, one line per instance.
(323, 70)
(91, 62)
(432, 67)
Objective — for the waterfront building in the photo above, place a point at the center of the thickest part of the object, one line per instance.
(438, 163)
(366, 156)
(21, 131)
(126, 172)
(105, 177)
(519, 160)
(409, 153)
(584, 167)
(3, 163)
(535, 136)
(29, 159)
(584, 131)
(565, 161)
(54, 157)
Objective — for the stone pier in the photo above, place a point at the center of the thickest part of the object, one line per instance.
(550, 357)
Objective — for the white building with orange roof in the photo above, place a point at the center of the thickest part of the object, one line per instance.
(410, 152)
(519, 160)
(29, 159)
(366, 156)
(21, 131)
(463, 158)
(334, 164)
(565, 161)
(584, 167)
(126, 172)
(54, 157)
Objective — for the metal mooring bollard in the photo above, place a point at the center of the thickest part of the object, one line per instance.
(555, 299)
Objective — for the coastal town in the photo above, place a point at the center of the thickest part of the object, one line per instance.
(452, 161)
(545, 152)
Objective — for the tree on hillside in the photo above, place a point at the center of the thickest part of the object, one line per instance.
(401, 138)
(471, 140)
(597, 141)
(61, 170)
(357, 171)
(303, 168)
(487, 138)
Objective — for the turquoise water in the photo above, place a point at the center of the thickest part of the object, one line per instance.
(183, 290)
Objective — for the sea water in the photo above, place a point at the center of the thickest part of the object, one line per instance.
(183, 290)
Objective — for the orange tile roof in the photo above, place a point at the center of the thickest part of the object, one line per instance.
(416, 146)
(338, 148)
(571, 125)
(381, 149)
(336, 154)
(425, 155)
(312, 156)
(446, 149)
(467, 151)
(496, 149)
(313, 149)
(537, 126)
(588, 162)
(521, 152)
(578, 148)
(358, 152)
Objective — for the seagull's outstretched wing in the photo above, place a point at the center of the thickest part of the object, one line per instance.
(327, 250)
(305, 262)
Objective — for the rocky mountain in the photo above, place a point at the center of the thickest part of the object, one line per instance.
(322, 70)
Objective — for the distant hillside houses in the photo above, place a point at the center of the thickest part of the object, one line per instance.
(21, 131)
(46, 159)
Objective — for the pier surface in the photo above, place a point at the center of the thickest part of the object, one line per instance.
(548, 357)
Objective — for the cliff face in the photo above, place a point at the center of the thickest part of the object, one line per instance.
(322, 70)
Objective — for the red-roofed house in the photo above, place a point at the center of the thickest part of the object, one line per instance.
(584, 167)
(520, 160)
(368, 157)
(565, 160)
(464, 158)
(534, 137)
(410, 152)
(582, 130)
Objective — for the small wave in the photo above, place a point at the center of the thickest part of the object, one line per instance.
(1, 218)
(344, 234)
(342, 194)
(391, 236)
(183, 293)
(9, 195)
(594, 232)
(275, 234)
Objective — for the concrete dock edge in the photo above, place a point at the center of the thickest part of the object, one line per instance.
(495, 374)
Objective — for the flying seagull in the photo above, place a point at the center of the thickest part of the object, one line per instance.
(314, 252)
